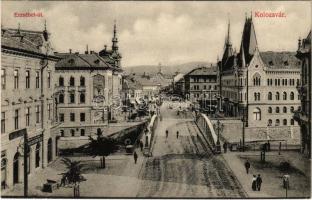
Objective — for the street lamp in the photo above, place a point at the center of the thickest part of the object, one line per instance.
(219, 127)
(243, 119)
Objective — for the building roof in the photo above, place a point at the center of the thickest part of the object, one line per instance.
(76, 60)
(203, 71)
(280, 60)
(305, 46)
(131, 83)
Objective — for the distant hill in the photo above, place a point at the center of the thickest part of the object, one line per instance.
(152, 69)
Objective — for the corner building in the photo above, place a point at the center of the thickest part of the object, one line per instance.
(259, 85)
(27, 103)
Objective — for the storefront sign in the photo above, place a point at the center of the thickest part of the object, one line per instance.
(35, 139)
(17, 134)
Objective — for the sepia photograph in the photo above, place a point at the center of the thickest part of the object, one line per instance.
(156, 99)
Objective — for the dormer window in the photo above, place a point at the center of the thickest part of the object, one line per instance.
(97, 61)
(71, 61)
(286, 63)
(271, 63)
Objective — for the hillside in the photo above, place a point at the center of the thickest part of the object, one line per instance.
(152, 69)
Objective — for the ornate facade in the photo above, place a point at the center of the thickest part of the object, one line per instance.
(258, 85)
(27, 103)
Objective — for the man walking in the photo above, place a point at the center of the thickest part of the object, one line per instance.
(135, 156)
(247, 166)
(259, 181)
(225, 147)
(177, 134)
(141, 145)
(167, 133)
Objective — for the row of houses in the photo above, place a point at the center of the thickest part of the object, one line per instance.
(47, 96)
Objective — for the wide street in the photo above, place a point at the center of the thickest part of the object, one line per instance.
(185, 166)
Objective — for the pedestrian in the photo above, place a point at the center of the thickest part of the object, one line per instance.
(259, 182)
(63, 180)
(167, 133)
(254, 183)
(135, 156)
(269, 146)
(177, 134)
(247, 166)
(225, 147)
(141, 145)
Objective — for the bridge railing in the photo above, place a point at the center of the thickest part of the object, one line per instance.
(206, 127)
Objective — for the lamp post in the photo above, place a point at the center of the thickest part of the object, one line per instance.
(243, 119)
(219, 127)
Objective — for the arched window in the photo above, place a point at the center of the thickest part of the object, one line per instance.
(292, 122)
(270, 110)
(62, 133)
(270, 96)
(257, 79)
(270, 122)
(292, 96)
(82, 81)
(292, 109)
(61, 98)
(284, 96)
(61, 81)
(255, 95)
(284, 109)
(16, 168)
(258, 96)
(277, 96)
(72, 97)
(72, 132)
(72, 81)
(3, 173)
(277, 122)
(277, 110)
(284, 122)
(82, 98)
(257, 114)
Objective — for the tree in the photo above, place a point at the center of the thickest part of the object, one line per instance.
(102, 146)
(74, 170)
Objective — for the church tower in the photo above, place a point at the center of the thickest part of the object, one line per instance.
(115, 40)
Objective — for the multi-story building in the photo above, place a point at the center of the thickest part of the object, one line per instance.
(178, 84)
(201, 85)
(88, 88)
(27, 103)
(259, 85)
(303, 115)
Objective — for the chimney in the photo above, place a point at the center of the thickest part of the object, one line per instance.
(70, 50)
(105, 47)
(91, 52)
(87, 50)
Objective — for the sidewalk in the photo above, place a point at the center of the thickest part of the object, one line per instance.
(271, 175)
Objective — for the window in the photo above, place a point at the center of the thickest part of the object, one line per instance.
(292, 122)
(277, 122)
(27, 111)
(72, 98)
(284, 109)
(279, 82)
(62, 133)
(72, 81)
(37, 114)
(61, 117)
(82, 117)
(277, 96)
(258, 95)
(49, 79)
(292, 96)
(205, 87)
(2, 122)
(16, 112)
(257, 80)
(37, 79)
(257, 114)
(298, 82)
(61, 98)
(16, 79)
(27, 78)
(277, 110)
(3, 79)
(72, 117)
(72, 132)
(49, 111)
(284, 122)
(61, 81)
(270, 96)
(270, 122)
(82, 81)
(82, 132)
(292, 109)
(284, 96)
(270, 110)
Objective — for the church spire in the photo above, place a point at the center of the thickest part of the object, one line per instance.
(114, 39)
(228, 50)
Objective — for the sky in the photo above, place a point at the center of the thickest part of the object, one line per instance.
(163, 32)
